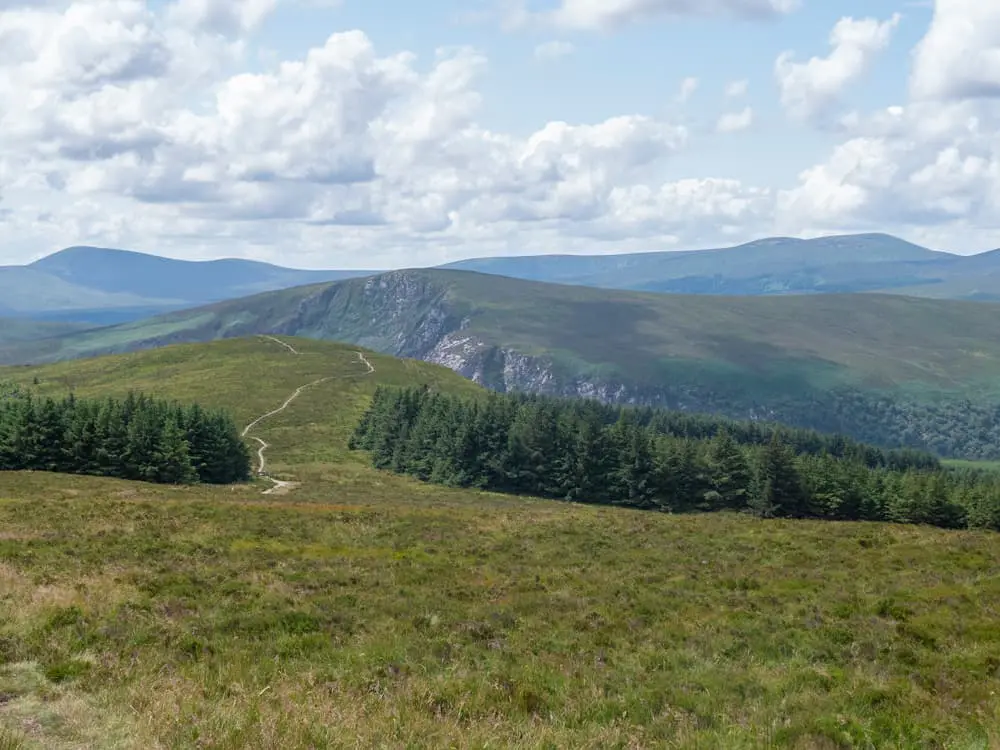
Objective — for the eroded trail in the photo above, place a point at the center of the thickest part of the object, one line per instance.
(285, 344)
(281, 487)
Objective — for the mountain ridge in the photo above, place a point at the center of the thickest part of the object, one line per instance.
(106, 286)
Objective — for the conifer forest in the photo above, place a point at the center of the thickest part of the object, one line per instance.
(584, 451)
(137, 438)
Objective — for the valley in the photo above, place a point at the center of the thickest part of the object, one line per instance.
(392, 612)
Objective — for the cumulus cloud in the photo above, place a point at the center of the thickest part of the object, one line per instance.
(932, 168)
(960, 55)
(733, 122)
(383, 152)
(130, 126)
(809, 88)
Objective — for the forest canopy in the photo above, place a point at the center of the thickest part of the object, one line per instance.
(584, 451)
(138, 438)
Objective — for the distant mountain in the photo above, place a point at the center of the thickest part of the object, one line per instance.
(104, 286)
(887, 369)
(780, 265)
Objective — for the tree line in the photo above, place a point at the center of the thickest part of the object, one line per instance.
(138, 438)
(581, 450)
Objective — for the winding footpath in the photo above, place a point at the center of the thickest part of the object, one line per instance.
(281, 487)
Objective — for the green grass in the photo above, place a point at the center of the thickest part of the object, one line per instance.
(366, 610)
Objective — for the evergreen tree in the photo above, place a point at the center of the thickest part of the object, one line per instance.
(730, 474)
(173, 462)
(779, 478)
(644, 458)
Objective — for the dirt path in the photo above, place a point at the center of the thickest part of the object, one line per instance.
(281, 487)
(285, 344)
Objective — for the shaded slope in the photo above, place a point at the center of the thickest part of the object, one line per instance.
(27, 291)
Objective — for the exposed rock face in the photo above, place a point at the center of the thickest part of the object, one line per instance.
(409, 315)
(412, 314)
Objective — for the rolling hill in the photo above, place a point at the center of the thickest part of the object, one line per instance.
(886, 369)
(139, 616)
(774, 266)
(105, 286)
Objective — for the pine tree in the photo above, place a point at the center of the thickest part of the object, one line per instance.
(763, 503)
(172, 458)
(591, 464)
(779, 476)
(730, 474)
(633, 477)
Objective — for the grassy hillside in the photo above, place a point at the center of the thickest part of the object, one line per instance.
(366, 610)
(887, 369)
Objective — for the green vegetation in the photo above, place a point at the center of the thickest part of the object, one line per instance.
(368, 609)
(888, 370)
(135, 438)
(585, 452)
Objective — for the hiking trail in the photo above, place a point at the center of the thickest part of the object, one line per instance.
(282, 487)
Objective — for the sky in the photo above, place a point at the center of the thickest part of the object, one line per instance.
(390, 133)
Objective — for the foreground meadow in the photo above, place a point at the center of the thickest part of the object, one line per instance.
(366, 610)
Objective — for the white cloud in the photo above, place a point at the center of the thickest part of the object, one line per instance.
(227, 17)
(810, 88)
(688, 87)
(611, 14)
(927, 167)
(738, 88)
(379, 156)
(960, 55)
(553, 50)
(733, 122)
(127, 126)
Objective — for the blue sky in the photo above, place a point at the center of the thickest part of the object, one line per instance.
(380, 133)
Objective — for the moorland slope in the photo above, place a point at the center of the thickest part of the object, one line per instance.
(367, 609)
